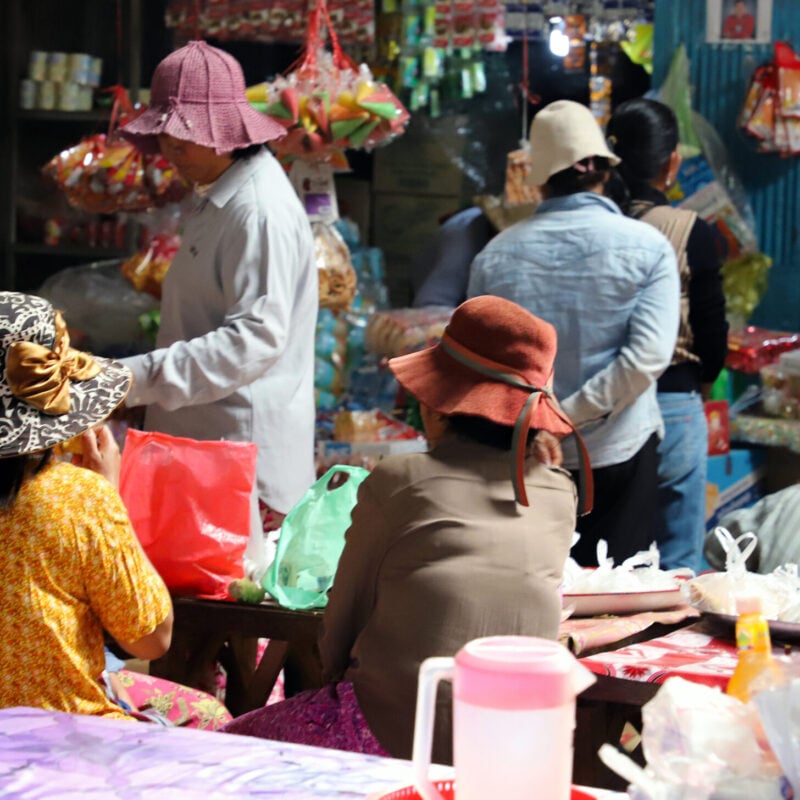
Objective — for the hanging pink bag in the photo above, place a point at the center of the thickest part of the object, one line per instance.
(189, 502)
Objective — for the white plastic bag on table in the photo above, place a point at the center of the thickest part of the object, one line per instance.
(700, 744)
(716, 592)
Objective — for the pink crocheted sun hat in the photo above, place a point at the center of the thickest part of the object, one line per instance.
(198, 94)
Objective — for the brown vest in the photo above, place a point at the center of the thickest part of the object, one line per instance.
(676, 224)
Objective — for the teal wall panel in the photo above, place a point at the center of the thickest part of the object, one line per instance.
(719, 77)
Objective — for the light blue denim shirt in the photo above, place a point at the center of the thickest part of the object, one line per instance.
(609, 285)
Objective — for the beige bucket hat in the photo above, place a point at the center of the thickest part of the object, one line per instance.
(562, 134)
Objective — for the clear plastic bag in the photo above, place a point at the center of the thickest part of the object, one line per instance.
(700, 744)
(101, 308)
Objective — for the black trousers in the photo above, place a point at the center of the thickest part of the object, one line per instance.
(625, 497)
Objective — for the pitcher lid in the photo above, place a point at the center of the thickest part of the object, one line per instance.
(518, 672)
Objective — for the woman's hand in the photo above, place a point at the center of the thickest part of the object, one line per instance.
(100, 454)
(547, 449)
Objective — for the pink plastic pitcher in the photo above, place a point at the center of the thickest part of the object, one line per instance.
(513, 718)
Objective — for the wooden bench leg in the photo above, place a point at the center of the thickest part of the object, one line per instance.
(266, 674)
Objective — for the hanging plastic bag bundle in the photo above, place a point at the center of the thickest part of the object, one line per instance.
(327, 103)
(103, 174)
(312, 539)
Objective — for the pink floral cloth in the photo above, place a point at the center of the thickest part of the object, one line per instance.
(581, 634)
(181, 705)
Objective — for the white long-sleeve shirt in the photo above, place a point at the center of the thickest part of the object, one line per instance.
(234, 357)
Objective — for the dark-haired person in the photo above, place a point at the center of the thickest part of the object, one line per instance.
(466, 540)
(644, 134)
(609, 286)
(234, 356)
(70, 563)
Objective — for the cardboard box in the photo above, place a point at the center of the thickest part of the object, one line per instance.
(735, 480)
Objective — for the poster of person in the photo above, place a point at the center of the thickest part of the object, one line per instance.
(738, 21)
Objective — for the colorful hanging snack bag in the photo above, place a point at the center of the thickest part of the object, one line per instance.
(103, 174)
(328, 104)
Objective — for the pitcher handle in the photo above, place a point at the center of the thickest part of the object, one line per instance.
(431, 671)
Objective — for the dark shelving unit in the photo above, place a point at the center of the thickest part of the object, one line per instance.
(30, 137)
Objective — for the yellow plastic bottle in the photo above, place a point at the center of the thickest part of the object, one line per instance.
(755, 648)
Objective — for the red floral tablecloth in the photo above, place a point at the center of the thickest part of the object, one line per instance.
(688, 653)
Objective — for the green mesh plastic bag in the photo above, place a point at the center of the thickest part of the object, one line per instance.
(312, 539)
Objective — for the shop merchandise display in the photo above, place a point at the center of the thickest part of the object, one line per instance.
(253, 20)
(102, 308)
(707, 181)
(342, 367)
(337, 277)
(146, 268)
(780, 386)
(771, 109)
(104, 174)
(398, 331)
(752, 348)
(362, 437)
(60, 81)
(327, 107)
(433, 52)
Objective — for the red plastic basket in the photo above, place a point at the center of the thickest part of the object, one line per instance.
(447, 788)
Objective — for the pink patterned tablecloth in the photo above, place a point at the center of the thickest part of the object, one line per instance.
(688, 653)
(579, 634)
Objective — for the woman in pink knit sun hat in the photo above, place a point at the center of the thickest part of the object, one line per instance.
(198, 95)
(234, 357)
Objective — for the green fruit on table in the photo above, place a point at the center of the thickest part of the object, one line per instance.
(246, 591)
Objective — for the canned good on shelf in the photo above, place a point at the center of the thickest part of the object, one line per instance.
(68, 96)
(37, 65)
(27, 93)
(96, 72)
(79, 68)
(57, 67)
(45, 95)
(85, 98)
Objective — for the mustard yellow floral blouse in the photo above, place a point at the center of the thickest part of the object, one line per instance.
(70, 566)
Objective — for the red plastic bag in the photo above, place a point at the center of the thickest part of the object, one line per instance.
(189, 502)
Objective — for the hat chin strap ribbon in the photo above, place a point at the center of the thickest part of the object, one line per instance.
(41, 377)
(519, 441)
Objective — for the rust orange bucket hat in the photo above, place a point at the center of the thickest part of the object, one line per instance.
(198, 94)
(495, 360)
